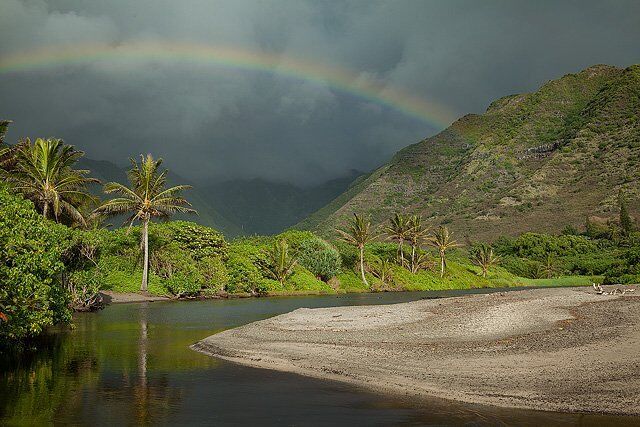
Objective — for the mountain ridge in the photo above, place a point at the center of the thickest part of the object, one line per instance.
(237, 207)
(516, 166)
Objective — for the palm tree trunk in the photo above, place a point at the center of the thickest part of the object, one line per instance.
(413, 258)
(442, 264)
(45, 209)
(401, 248)
(145, 244)
(364, 279)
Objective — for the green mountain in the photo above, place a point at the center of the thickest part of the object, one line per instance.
(263, 207)
(535, 161)
(238, 207)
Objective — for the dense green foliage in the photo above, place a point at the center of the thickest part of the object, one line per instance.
(32, 295)
(534, 255)
(43, 173)
(320, 258)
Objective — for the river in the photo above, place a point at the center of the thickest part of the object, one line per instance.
(131, 364)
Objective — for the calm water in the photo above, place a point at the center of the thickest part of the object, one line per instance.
(130, 364)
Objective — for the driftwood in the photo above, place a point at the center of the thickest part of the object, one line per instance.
(601, 291)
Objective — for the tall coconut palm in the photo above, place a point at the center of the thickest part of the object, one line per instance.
(146, 198)
(43, 172)
(485, 258)
(416, 234)
(398, 230)
(358, 233)
(442, 240)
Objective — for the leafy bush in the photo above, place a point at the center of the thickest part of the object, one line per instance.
(31, 294)
(522, 267)
(296, 238)
(244, 274)
(303, 280)
(386, 251)
(348, 255)
(198, 240)
(84, 289)
(625, 268)
(178, 268)
(588, 264)
(538, 246)
(320, 258)
(214, 274)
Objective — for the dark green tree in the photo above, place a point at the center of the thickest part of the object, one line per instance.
(32, 295)
(43, 173)
(626, 222)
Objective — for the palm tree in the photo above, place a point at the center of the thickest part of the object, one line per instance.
(43, 173)
(4, 127)
(358, 233)
(398, 230)
(485, 258)
(382, 269)
(146, 198)
(442, 240)
(416, 233)
(548, 269)
(5, 150)
(280, 261)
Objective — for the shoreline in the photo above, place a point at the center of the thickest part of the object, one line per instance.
(555, 349)
(112, 297)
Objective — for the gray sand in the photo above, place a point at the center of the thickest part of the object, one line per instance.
(564, 349)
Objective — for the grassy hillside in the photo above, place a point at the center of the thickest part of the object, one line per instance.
(531, 162)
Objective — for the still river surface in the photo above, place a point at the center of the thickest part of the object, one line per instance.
(130, 364)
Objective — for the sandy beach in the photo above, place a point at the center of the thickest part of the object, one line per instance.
(129, 297)
(562, 349)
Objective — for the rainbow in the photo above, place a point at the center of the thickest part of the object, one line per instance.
(339, 78)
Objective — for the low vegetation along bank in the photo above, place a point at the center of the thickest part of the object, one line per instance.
(58, 251)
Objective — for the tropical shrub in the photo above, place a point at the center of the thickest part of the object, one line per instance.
(84, 289)
(244, 273)
(214, 274)
(32, 296)
(279, 261)
(198, 240)
(522, 267)
(320, 258)
(303, 280)
(538, 246)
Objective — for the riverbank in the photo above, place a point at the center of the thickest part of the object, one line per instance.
(113, 297)
(110, 297)
(563, 349)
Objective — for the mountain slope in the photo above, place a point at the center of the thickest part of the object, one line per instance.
(254, 206)
(536, 161)
(264, 207)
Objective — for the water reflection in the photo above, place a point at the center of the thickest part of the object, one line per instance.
(130, 364)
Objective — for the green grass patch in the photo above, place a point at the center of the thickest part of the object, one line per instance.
(561, 281)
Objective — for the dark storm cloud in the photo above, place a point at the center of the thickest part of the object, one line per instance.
(215, 122)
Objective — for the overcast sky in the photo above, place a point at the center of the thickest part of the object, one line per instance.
(212, 122)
